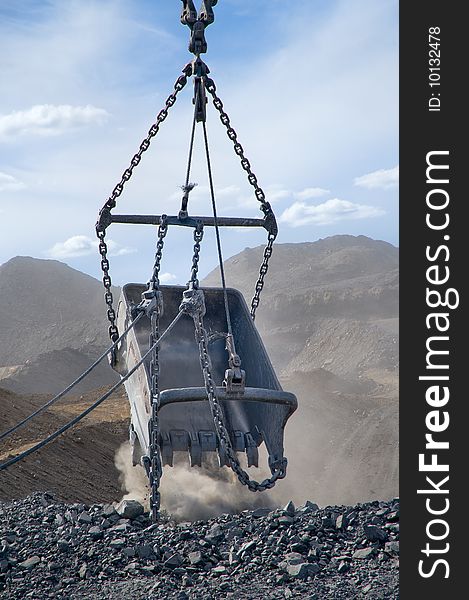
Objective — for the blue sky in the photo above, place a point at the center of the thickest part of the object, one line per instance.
(311, 88)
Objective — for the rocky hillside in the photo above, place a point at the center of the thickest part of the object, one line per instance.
(330, 304)
(46, 305)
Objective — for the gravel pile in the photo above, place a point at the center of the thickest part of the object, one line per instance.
(53, 550)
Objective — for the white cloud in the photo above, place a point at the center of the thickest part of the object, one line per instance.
(167, 277)
(49, 119)
(115, 249)
(383, 179)
(227, 192)
(311, 192)
(331, 211)
(82, 245)
(8, 183)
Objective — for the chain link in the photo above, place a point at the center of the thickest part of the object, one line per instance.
(258, 191)
(162, 231)
(108, 297)
(198, 236)
(262, 273)
(218, 418)
(104, 214)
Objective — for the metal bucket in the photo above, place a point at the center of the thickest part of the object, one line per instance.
(254, 417)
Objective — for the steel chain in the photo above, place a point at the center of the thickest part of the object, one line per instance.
(104, 213)
(258, 191)
(156, 469)
(262, 273)
(108, 297)
(218, 418)
(198, 236)
(162, 231)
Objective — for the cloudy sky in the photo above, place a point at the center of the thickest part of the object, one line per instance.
(312, 91)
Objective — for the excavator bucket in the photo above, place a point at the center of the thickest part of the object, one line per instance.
(257, 415)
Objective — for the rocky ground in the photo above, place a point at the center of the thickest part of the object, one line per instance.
(49, 549)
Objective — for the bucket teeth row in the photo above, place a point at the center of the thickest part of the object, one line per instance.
(196, 443)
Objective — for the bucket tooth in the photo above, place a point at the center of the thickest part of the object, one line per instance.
(238, 441)
(257, 435)
(166, 449)
(251, 451)
(179, 440)
(195, 450)
(208, 441)
(222, 457)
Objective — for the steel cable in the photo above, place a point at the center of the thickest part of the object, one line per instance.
(73, 384)
(83, 414)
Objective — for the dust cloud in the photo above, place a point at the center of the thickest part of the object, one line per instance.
(341, 449)
(191, 493)
(133, 480)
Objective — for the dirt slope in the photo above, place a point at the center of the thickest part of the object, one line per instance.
(79, 465)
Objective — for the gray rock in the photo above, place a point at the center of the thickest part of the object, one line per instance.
(299, 547)
(30, 563)
(327, 522)
(95, 532)
(225, 586)
(374, 533)
(343, 567)
(302, 570)
(292, 558)
(117, 543)
(215, 534)
(129, 509)
(286, 520)
(220, 570)
(195, 558)
(174, 561)
(108, 510)
(308, 507)
(149, 569)
(63, 545)
(4, 564)
(364, 553)
(246, 547)
(391, 547)
(144, 551)
(121, 528)
(232, 533)
(84, 518)
(260, 512)
(83, 570)
(341, 522)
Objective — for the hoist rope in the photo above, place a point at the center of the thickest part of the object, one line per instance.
(217, 231)
(73, 384)
(191, 145)
(100, 400)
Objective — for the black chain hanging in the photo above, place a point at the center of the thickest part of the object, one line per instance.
(105, 219)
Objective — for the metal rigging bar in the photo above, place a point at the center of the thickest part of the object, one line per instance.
(190, 221)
